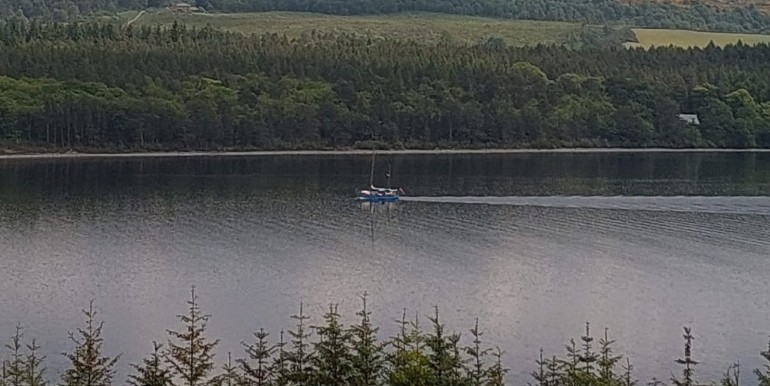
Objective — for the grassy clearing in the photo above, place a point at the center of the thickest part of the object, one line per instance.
(421, 26)
(684, 38)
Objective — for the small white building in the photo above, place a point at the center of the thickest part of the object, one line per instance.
(690, 118)
(182, 7)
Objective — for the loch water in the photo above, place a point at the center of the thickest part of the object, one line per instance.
(534, 245)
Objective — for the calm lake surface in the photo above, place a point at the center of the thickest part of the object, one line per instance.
(534, 245)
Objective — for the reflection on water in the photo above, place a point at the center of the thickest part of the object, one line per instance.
(640, 243)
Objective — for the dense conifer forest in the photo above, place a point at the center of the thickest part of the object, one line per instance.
(328, 352)
(101, 86)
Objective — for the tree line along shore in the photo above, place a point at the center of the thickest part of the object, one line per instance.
(104, 87)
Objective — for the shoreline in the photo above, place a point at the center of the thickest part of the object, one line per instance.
(262, 153)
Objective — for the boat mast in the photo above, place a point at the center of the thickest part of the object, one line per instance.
(371, 175)
(388, 175)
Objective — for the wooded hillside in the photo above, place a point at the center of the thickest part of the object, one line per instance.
(99, 86)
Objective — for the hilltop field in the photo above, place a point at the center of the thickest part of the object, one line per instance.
(426, 27)
(684, 38)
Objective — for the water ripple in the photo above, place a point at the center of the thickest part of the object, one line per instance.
(753, 205)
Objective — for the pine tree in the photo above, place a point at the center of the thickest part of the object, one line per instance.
(191, 357)
(400, 344)
(763, 376)
(627, 369)
(570, 365)
(367, 360)
(588, 357)
(541, 376)
(688, 372)
(34, 370)
(16, 366)
(555, 375)
(300, 358)
(477, 374)
(87, 365)
(444, 356)
(257, 369)
(152, 372)
(497, 371)
(280, 367)
(229, 376)
(732, 376)
(607, 361)
(332, 358)
(409, 364)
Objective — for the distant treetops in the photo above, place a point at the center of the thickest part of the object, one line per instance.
(103, 87)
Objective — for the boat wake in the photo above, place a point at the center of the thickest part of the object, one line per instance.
(757, 205)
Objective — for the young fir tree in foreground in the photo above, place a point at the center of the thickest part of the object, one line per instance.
(14, 368)
(22, 368)
(88, 367)
(764, 374)
(497, 371)
(257, 369)
(332, 359)
(33, 367)
(280, 365)
(230, 375)
(444, 357)
(190, 354)
(688, 364)
(340, 355)
(477, 372)
(408, 361)
(299, 359)
(152, 371)
(581, 366)
(367, 359)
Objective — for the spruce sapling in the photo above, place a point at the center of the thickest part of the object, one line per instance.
(34, 370)
(367, 358)
(732, 376)
(764, 376)
(588, 357)
(87, 365)
(627, 379)
(497, 371)
(540, 375)
(332, 358)
(444, 356)
(257, 369)
(300, 358)
(190, 353)
(229, 376)
(15, 367)
(280, 367)
(607, 361)
(152, 371)
(688, 372)
(477, 374)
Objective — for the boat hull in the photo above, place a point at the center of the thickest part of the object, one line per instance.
(375, 198)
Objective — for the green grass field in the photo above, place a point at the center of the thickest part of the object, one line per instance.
(421, 27)
(425, 27)
(683, 38)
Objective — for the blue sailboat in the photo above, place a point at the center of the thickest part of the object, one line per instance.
(375, 194)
